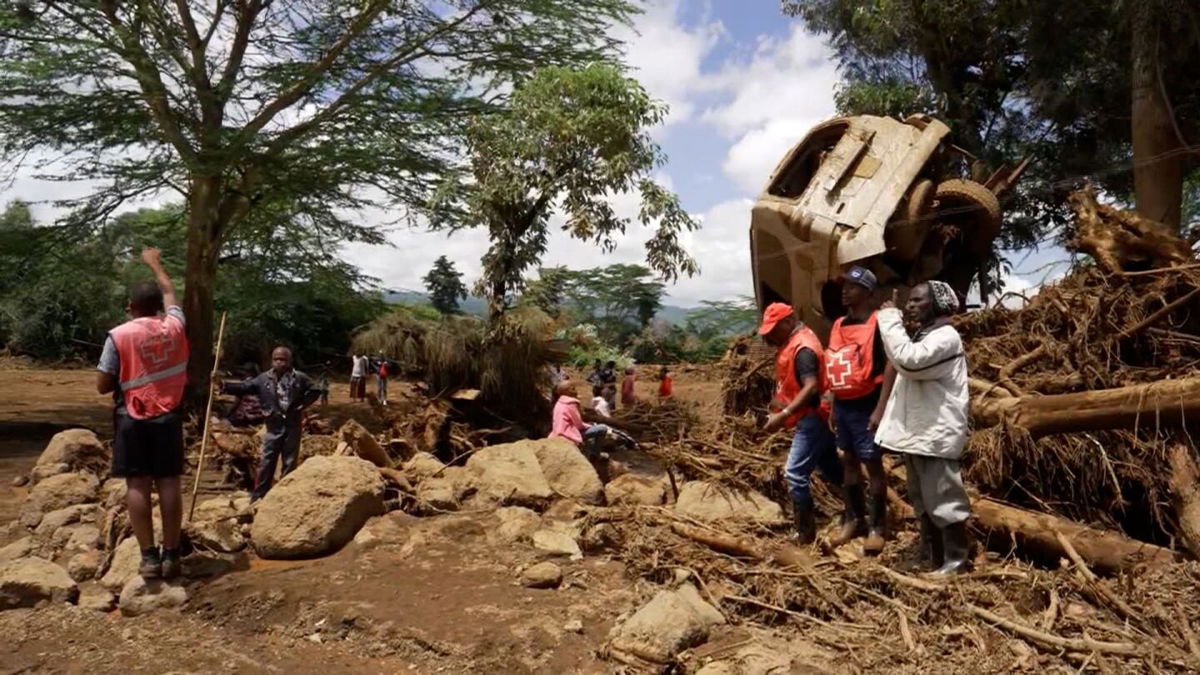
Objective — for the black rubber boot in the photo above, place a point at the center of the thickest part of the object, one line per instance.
(957, 546)
(151, 565)
(877, 525)
(928, 554)
(170, 563)
(806, 524)
(854, 517)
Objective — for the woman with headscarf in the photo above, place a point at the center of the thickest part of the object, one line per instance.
(926, 420)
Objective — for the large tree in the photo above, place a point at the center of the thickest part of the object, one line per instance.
(321, 107)
(570, 140)
(445, 286)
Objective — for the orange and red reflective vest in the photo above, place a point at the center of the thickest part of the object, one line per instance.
(850, 359)
(787, 387)
(153, 352)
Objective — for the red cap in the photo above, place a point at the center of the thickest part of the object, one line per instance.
(776, 312)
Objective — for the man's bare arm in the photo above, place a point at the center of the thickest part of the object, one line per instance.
(106, 383)
(153, 260)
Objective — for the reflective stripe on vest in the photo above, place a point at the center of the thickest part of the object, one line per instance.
(153, 354)
(850, 360)
(787, 387)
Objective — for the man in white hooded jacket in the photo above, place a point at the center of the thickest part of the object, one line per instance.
(926, 420)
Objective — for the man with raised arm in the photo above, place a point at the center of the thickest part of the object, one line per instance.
(144, 366)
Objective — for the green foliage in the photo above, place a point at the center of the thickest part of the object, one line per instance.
(445, 286)
(618, 300)
(570, 139)
(722, 318)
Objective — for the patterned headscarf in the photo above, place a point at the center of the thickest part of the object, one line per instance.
(942, 298)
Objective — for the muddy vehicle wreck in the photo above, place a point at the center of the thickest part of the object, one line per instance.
(878, 192)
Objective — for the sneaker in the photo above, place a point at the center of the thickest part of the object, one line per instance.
(170, 563)
(151, 566)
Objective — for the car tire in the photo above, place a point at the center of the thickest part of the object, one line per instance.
(973, 205)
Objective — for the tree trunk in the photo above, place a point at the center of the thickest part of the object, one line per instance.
(203, 247)
(1185, 493)
(1157, 179)
(1034, 533)
(1157, 403)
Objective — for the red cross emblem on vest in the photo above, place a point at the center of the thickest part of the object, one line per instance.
(838, 368)
(157, 349)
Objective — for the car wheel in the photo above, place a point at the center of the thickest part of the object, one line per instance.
(971, 206)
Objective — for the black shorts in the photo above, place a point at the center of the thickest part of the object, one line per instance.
(151, 447)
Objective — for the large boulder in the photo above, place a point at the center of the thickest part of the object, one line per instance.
(509, 474)
(670, 623)
(79, 449)
(124, 565)
(21, 548)
(317, 508)
(632, 490)
(28, 582)
(567, 471)
(92, 514)
(58, 492)
(711, 503)
(141, 596)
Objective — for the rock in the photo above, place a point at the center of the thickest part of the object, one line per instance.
(28, 582)
(76, 538)
(20, 481)
(20, 548)
(630, 489)
(97, 598)
(387, 530)
(124, 565)
(599, 538)
(671, 622)
(556, 542)
(79, 449)
(58, 492)
(436, 495)
(200, 564)
(216, 535)
(509, 474)
(140, 596)
(83, 566)
(567, 471)
(516, 523)
(423, 465)
(112, 492)
(706, 502)
(542, 575)
(41, 472)
(317, 508)
(217, 508)
(757, 658)
(573, 626)
(80, 513)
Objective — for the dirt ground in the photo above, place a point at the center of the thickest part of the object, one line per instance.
(443, 599)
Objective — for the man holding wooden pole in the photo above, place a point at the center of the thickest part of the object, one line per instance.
(925, 420)
(144, 366)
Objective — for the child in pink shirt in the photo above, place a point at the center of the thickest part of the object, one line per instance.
(567, 421)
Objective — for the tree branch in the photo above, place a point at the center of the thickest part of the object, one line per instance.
(210, 109)
(247, 14)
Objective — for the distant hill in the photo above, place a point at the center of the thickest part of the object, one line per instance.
(478, 306)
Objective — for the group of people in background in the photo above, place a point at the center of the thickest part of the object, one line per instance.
(362, 368)
(876, 387)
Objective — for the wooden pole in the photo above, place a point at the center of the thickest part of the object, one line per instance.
(207, 416)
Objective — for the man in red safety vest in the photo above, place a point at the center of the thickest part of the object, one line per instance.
(799, 379)
(860, 379)
(144, 366)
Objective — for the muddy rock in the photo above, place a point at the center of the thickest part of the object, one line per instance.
(509, 474)
(96, 598)
(391, 529)
(21, 548)
(567, 471)
(140, 596)
(80, 513)
(41, 472)
(124, 565)
(437, 495)
(629, 489)
(28, 582)
(79, 449)
(542, 575)
(76, 538)
(83, 566)
(710, 503)
(515, 523)
(58, 492)
(317, 508)
(217, 508)
(112, 492)
(556, 542)
(216, 535)
(671, 622)
(423, 465)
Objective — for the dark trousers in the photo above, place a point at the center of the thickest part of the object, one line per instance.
(284, 442)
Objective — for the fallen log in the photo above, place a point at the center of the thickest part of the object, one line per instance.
(1167, 402)
(1037, 534)
(1185, 493)
(364, 445)
(783, 555)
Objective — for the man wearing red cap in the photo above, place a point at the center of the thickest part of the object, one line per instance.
(797, 403)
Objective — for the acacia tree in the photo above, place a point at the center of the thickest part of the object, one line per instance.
(445, 286)
(569, 140)
(321, 106)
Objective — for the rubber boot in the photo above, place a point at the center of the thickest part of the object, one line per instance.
(877, 524)
(957, 546)
(928, 554)
(806, 524)
(853, 518)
